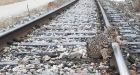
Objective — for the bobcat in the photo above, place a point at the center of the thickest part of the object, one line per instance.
(100, 45)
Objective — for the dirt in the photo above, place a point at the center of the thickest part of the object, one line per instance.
(6, 2)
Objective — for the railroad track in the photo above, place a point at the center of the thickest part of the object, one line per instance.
(56, 43)
(57, 46)
(129, 31)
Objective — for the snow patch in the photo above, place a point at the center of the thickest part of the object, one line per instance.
(21, 7)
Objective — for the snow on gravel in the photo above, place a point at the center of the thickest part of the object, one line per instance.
(21, 7)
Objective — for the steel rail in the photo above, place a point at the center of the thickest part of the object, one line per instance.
(120, 60)
(123, 70)
(23, 29)
(107, 23)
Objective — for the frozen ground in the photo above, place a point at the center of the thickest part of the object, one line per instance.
(20, 7)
